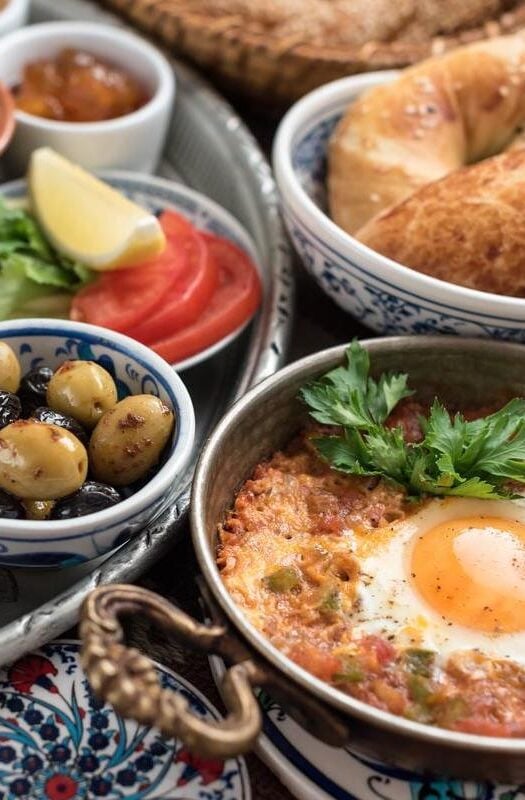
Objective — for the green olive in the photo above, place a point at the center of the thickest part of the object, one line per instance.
(9, 369)
(38, 509)
(129, 439)
(83, 390)
(40, 461)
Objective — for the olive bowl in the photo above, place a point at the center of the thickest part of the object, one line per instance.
(261, 422)
(136, 370)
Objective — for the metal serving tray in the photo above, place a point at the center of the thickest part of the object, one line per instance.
(208, 148)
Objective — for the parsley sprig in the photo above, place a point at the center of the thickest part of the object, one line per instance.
(456, 457)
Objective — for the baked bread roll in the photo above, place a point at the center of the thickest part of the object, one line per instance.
(435, 118)
(467, 228)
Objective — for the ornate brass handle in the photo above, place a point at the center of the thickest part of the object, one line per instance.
(128, 680)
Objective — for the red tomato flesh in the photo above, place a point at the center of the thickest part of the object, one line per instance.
(121, 299)
(321, 664)
(235, 300)
(190, 293)
(174, 224)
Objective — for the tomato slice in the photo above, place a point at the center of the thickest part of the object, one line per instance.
(122, 298)
(233, 303)
(190, 293)
(174, 224)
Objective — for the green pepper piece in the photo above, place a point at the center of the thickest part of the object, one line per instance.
(352, 671)
(420, 693)
(330, 603)
(418, 689)
(420, 662)
(283, 580)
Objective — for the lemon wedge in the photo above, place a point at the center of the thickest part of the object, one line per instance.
(88, 220)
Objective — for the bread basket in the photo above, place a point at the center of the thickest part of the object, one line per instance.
(275, 71)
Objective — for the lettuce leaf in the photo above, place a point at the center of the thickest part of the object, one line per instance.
(20, 296)
(35, 280)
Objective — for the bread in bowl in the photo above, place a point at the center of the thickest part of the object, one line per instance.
(436, 117)
(466, 228)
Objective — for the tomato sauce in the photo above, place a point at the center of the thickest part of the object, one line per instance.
(287, 561)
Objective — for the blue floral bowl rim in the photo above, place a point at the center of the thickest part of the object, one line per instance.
(318, 105)
(159, 484)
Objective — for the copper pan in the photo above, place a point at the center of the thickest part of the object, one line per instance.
(460, 370)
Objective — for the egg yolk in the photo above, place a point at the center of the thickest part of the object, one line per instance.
(472, 572)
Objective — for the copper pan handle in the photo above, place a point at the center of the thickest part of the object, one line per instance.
(128, 680)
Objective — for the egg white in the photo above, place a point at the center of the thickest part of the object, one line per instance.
(388, 602)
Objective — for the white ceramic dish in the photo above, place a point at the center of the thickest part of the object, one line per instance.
(14, 15)
(156, 194)
(136, 370)
(133, 141)
(384, 296)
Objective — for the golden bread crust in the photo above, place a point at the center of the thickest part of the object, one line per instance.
(466, 228)
(436, 117)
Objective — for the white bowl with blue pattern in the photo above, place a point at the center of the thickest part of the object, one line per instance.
(136, 370)
(383, 295)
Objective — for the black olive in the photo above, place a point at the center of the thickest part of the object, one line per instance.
(30, 402)
(33, 389)
(91, 497)
(35, 381)
(10, 408)
(45, 414)
(10, 507)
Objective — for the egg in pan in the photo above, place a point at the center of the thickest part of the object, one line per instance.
(449, 577)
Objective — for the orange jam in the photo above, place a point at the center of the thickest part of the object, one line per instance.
(76, 86)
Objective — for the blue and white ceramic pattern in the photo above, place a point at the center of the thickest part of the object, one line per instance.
(136, 370)
(58, 742)
(384, 296)
(156, 194)
(314, 771)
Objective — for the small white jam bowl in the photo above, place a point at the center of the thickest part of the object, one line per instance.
(385, 296)
(14, 15)
(136, 370)
(133, 141)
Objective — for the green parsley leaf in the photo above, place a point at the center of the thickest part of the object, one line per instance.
(456, 457)
(348, 396)
(347, 453)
